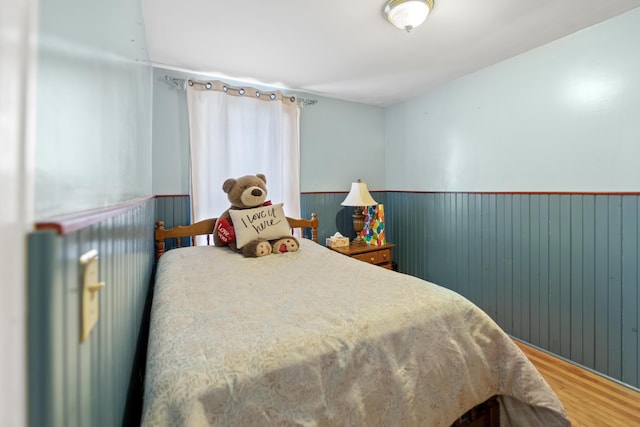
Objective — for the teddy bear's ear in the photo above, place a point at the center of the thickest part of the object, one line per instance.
(262, 177)
(228, 185)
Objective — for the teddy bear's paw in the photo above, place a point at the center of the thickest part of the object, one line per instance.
(285, 245)
(257, 248)
(263, 248)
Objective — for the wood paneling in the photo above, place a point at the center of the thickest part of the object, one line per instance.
(332, 216)
(557, 270)
(174, 211)
(86, 384)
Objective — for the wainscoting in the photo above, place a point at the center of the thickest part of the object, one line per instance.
(559, 271)
(97, 382)
(332, 216)
(174, 210)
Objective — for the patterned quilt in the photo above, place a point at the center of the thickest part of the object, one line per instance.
(315, 338)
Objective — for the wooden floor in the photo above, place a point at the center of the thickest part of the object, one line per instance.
(590, 400)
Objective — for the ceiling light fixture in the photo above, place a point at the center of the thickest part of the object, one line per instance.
(407, 14)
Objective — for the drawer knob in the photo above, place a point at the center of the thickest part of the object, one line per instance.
(373, 259)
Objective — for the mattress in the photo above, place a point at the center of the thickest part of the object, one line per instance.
(315, 338)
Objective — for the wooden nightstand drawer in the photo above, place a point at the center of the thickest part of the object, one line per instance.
(375, 257)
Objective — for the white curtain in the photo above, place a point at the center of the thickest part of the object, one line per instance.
(234, 134)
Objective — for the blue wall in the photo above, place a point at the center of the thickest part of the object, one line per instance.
(92, 152)
(94, 92)
(562, 117)
(332, 216)
(97, 382)
(559, 271)
(341, 142)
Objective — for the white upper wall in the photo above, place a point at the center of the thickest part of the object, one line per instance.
(93, 108)
(562, 117)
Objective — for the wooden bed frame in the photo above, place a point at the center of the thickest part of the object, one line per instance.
(485, 414)
(205, 228)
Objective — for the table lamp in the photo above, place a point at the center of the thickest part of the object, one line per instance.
(359, 197)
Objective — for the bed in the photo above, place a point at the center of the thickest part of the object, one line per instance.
(315, 338)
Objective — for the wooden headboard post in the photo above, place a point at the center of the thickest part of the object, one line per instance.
(205, 227)
(200, 228)
(306, 223)
(314, 227)
(159, 241)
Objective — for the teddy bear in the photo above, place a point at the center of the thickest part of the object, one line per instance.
(253, 226)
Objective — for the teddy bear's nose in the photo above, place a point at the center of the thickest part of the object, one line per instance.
(256, 192)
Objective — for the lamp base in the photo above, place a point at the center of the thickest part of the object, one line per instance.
(358, 241)
(358, 225)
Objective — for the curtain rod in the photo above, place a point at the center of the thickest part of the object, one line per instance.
(179, 83)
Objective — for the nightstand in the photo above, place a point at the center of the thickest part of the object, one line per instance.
(377, 255)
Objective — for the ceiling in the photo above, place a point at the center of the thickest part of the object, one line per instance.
(346, 49)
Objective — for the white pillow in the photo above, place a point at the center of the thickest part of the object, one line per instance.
(266, 222)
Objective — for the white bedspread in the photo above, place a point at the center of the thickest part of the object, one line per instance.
(314, 338)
